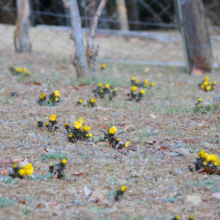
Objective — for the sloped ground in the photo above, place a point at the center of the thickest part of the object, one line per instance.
(157, 176)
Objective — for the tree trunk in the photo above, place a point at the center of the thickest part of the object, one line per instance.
(92, 11)
(133, 13)
(122, 15)
(198, 43)
(21, 34)
(79, 60)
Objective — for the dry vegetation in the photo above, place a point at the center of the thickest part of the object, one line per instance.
(159, 183)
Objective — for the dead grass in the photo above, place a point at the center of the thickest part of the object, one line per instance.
(158, 181)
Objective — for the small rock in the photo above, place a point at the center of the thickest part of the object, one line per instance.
(183, 151)
(98, 195)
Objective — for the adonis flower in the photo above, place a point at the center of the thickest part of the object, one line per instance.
(57, 93)
(81, 120)
(77, 125)
(112, 130)
(64, 161)
(86, 128)
(53, 118)
(133, 88)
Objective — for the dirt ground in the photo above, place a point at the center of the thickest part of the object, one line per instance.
(159, 182)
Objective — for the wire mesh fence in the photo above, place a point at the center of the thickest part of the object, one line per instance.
(155, 36)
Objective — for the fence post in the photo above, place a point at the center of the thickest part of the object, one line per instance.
(198, 45)
(180, 21)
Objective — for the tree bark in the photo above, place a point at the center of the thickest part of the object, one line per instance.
(21, 34)
(91, 52)
(198, 43)
(133, 13)
(122, 15)
(79, 60)
(92, 11)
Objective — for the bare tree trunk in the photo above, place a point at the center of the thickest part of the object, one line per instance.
(21, 33)
(198, 43)
(92, 11)
(79, 60)
(91, 52)
(133, 13)
(122, 15)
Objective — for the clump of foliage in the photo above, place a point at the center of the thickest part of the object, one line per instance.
(103, 67)
(198, 105)
(91, 103)
(133, 96)
(78, 132)
(207, 85)
(21, 172)
(58, 169)
(113, 141)
(119, 193)
(145, 83)
(18, 71)
(206, 160)
(101, 91)
(52, 125)
(53, 99)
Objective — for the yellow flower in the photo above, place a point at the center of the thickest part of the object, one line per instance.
(47, 123)
(200, 100)
(142, 91)
(90, 135)
(112, 130)
(214, 157)
(123, 188)
(208, 88)
(14, 165)
(205, 163)
(177, 217)
(101, 91)
(29, 169)
(216, 163)
(191, 217)
(57, 93)
(53, 118)
(118, 139)
(132, 78)
(153, 84)
(214, 83)
(29, 72)
(201, 154)
(51, 165)
(86, 128)
(146, 84)
(66, 124)
(116, 89)
(127, 144)
(19, 69)
(137, 81)
(205, 83)
(146, 81)
(81, 120)
(202, 86)
(56, 99)
(81, 101)
(198, 105)
(107, 86)
(103, 65)
(100, 84)
(86, 104)
(77, 125)
(208, 158)
(64, 161)
(92, 101)
(133, 88)
(12, 65)
(42, 96)
(24, 70)
(21, 172)
(70, 135)
(206, 78)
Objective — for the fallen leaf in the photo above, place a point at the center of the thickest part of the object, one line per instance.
(41, 205)
(163, 149)
(216, 195)
(78, 174)
(104, 127)
(38, 171)
(4, 172)
(53, 204)
(37, 83)
(194, 199)
(87, 191)
(22, 201)
(17, 160)
(80, 191)
(76, 88)
(151, 142)
(177, 83)
(153, 116)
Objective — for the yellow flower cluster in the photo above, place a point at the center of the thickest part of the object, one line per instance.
(112, 130)
(42, 96)
(123, 188)
(207, 85)
(27, 170)
(77, 125)
(209, 158)
(57, 93)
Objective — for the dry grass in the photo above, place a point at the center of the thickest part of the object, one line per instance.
(157, 181)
